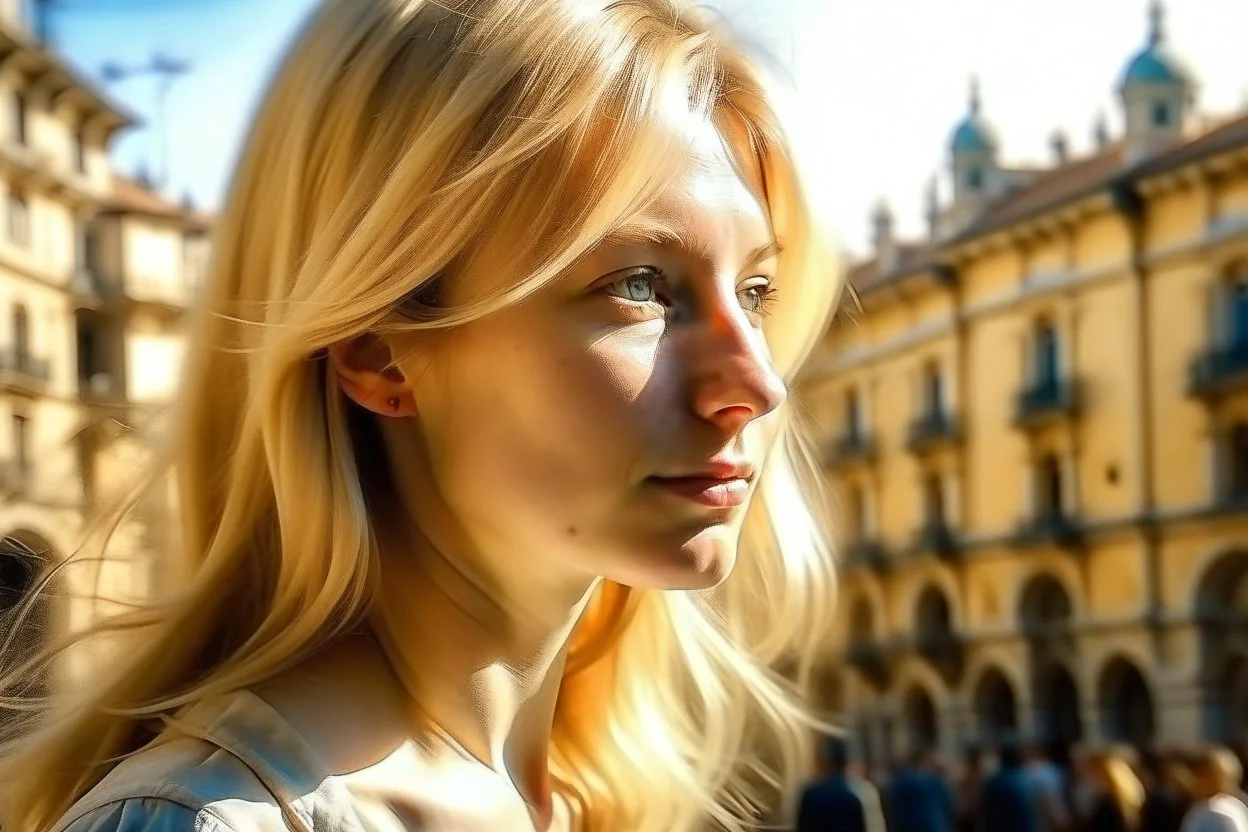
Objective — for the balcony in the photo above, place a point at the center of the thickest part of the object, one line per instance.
(23, 373)
(1045, 400)
(851, 448)
(868, 553)
(1055, 529)
(938, 540)
(1219, 370)
(871, 660)
(933, 429)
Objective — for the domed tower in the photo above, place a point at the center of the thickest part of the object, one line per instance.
(1157, 91)
(973, 151)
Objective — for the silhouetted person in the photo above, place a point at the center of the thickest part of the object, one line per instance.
(970, 790)
(838, 801)
(919, 799)
(1047, 783)
(1009, 802)
(1164, 805)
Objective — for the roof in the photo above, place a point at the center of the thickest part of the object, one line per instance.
(973, 135)
(131, 197)
(1059, 187)
(1155, 65)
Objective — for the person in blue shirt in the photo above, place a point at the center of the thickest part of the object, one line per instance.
(839, 801)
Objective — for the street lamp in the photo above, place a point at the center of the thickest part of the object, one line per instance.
(166, 70)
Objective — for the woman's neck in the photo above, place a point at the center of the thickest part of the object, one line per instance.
(482, 667)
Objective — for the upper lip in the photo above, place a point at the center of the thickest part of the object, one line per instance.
(715, 469)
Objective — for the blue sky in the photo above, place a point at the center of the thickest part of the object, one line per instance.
(881, 84)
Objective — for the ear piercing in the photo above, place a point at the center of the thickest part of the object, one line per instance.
(394, 403)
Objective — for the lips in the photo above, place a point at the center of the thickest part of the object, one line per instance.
(716, 490)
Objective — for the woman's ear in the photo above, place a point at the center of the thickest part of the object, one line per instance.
(366, 373)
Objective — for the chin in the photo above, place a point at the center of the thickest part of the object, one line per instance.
(700, 562)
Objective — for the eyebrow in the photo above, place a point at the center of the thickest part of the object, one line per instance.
(655, 233)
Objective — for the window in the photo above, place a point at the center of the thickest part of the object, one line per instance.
(1239, 462)
(933, 389)
(19, 219)
(21, 444)
(934, 500)
(80, 151)
(1162, 116)
(21, 333)
(1049, 487)
(857, 519)
(975, 179)
(853, 414)
(1046, 356)
(861, 623)
(20, 109)
(1237, 323)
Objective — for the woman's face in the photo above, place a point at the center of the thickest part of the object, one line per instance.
(616, 421)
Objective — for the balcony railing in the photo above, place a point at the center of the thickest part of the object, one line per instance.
(851, 448)
(868, 553)
(1218, 370)
(1046, 399)
(936, 538)
(1054, 529)
(21, 370)
(933, 428)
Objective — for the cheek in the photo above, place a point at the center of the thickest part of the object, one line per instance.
(533, 425)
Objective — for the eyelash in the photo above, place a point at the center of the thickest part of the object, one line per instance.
(765, 293)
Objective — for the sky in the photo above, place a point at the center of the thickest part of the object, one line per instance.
(879, 85)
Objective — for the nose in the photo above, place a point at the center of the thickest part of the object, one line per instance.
(733, 381)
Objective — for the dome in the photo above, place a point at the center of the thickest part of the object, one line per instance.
(1155, 64)
(974, 134)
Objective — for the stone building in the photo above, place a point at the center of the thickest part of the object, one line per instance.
(1036, 427)
(96, 272)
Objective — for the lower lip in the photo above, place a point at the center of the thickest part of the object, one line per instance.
(706, 491)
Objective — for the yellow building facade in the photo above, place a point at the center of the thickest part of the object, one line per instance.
(1036, 428)
(96, 272)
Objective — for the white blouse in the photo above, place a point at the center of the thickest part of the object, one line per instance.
(234, 764)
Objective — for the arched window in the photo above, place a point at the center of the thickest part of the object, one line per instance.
(856, 500)
(934, 500)
(19, 219)
(21, 333)
(1162, 114)
(20, 109)
(1238, 461)
(1046, 355)
(1049, 500)
(975, 178)
(1237, 306)
(853, 414)
(933, 389)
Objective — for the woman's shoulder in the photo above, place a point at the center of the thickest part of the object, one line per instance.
(186, 783)
(220, 769)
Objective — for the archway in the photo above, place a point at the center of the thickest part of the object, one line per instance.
(935, 638)
(996, 710)
(1044, 606)
(1222, 609)
(1126, 704)
(919, 716)
(1058, 717)
(861, 622)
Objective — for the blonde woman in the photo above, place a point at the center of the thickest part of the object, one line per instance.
(1218, 802)
(493, 513)
(1115, 794)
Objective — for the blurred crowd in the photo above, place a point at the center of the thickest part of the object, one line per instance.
(1013, 787)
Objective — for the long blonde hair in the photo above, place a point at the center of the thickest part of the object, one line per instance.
(393, 136)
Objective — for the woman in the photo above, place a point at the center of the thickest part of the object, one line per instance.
(1218, 802)
(486, 394)
(1112, 794)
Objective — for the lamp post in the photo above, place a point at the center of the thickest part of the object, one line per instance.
(166, 70)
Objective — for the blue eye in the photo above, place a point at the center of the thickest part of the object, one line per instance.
(638, 287)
